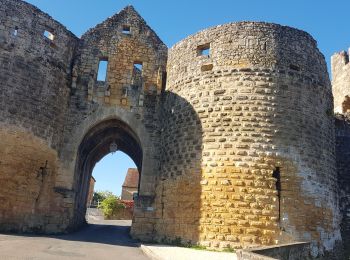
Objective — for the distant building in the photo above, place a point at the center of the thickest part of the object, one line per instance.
(130, 185)
(91, 191)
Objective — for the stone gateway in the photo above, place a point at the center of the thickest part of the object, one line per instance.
(232, 130)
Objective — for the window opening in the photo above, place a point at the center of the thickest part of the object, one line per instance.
(294, 67)
(203, 50)
(126, 29)
(15, 32)
(125, 91)
(277, 175)
(102, 70)
(138, 65)
(49, 35)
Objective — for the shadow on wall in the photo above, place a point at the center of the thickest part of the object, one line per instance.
(342, 127)
(178, 201)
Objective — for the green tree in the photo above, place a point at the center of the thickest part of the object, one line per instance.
(111, 206)
(100, 196)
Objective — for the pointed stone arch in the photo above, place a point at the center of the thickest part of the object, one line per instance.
(94, 146)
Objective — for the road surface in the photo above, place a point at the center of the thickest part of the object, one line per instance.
(102, 240)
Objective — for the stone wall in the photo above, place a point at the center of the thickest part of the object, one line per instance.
(235, 149)
(35, 71)
(292, 251)
(121, 109)
(34, 81)
(65, 119)
(341, 81)
(128, 193)
(259, 102)
(342, 123)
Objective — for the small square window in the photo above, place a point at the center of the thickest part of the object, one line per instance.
(126, 29)
(49, 35)
(203, 50)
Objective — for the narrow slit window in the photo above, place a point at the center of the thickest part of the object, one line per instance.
(294, 67)
(49, 35)
(138, 66)
(15, 32)
(102, 70)
(126, 29)
(203, 50)
(277, 175)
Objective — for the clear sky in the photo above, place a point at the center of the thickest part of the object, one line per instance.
(328, 21)
(110, 172)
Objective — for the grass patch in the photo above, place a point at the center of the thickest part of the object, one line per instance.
(197, 247)
(229, 250)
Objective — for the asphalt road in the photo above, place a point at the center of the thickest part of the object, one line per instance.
(102, 240)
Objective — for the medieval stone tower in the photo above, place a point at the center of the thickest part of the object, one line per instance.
(258, 102)
(232, 129)
(341, 92)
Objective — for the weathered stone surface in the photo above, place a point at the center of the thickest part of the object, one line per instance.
(209, 130)
(341, 81)
(263, 105)
(342, 123)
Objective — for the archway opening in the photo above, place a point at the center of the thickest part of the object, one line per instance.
(110, 173)
(110, 136)
(113, 187)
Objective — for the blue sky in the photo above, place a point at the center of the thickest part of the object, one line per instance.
(111, 170)
(327, 21)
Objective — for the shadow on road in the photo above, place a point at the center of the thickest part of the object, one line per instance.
(103, 233)
(110, 232)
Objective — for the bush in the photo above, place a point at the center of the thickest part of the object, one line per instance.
(111, 206)
(100, 196)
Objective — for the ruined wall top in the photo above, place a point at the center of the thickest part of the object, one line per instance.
(341, 81)
(340, 59)
(135, 58)
(127, 21)
(250, 45)
(26, 21)
(36, 54)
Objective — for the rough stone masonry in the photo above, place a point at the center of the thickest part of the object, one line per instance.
(232, 129)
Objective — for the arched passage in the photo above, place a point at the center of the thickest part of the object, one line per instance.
(98, 142)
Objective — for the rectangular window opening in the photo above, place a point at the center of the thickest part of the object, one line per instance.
(15, 32)
(125, 92)
(49, 35)
(102, 70)
(203, 50)
(126, 29)
(138, 66)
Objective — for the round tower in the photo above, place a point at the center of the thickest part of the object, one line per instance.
(248, 140)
